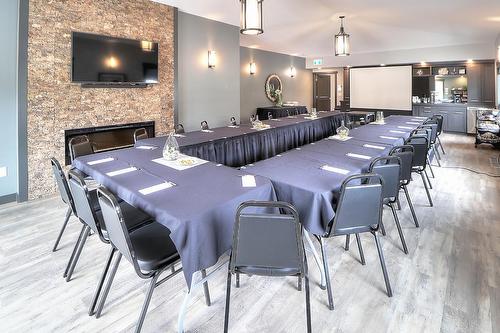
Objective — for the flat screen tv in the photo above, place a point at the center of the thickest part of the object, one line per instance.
(100, 59)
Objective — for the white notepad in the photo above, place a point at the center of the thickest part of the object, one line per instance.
(387, 137)
(207, 131)
(406, 127)
(146, 147)
(248, 181)
(121, 171)
(366, 145)
(156, 188)
(363, 157)
(334, 169)
(398, 132)
(104, 160)
(338, 137)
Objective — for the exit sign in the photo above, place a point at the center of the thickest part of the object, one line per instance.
(317, 62)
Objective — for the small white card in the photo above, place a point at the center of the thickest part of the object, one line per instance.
(416, 120)
(412, 123)
(311, 118)
(334, 169)
(377, 123)
(233, 126)
(207, 131)
(366, 145)
(156, 188)
(420, 117)
(398, 132)
(121, 171)
(179, 135)
(275, 119)
(338, 137)
(104, 160)
(248, 181)
(363, 157)
(146, 147)
(406, 127)
(387, 137)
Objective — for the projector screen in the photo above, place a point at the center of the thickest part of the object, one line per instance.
(386, 88)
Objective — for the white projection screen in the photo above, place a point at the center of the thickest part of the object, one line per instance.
(386, 88)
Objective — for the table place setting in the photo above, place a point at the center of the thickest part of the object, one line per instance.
(103, 160)
(339, 137)
(207, 131)
(121, 171)
(360, 156)
(405, 127)
(183, 162)
(398, 132)
(378, 122)
(388, 137)
(146, 147)
(156, 188)
(412, 123)
(233, 126)
(334, 169)
(420, 118)
(367, 145)
(179, 135)
(248, 181)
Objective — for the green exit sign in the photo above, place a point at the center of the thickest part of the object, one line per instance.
(317, 62)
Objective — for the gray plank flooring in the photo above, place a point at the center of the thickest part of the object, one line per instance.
(449, 282)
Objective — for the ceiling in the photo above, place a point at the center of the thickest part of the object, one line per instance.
(306, 28)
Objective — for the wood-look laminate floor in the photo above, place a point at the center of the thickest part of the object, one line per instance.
(449, 282)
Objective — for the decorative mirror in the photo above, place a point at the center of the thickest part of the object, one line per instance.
(274, 88)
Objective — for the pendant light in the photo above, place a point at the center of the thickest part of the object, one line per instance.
(251, 17)
(342, 44)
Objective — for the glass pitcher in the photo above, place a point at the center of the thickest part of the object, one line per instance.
(171, 148)
(342, 131)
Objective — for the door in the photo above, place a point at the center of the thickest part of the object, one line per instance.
(322, 92)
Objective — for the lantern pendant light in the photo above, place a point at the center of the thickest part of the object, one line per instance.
(251, 17)
(342, 43)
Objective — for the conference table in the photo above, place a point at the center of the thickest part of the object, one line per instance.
(280, 111)
(197, 202)
(239, 145)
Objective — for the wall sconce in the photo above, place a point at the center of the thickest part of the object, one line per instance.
(292, 72)
(253, 68)
(212, 59)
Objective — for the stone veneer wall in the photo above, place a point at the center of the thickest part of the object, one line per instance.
(56, 104)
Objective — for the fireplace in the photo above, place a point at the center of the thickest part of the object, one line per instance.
(105, 138)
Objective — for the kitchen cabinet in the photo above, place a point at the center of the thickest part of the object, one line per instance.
(481, 84)
(488, 84)
(454, 116)
(456, 121)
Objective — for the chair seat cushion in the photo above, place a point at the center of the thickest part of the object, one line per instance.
(153, 247)
(268, 271)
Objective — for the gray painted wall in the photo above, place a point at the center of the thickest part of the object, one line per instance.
(8, 95)
(204, 93)
(252, 92)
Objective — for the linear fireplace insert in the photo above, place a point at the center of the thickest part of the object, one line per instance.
(106, 138)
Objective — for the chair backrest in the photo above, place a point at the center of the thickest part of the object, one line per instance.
(83, 206)
(434, 129)
(426, 132)
(179, 129)
(389, 167)
(140, 134)
(438, 118)
(62, 183)
(116, 227)
(252, 118)
(233, 121)
(80, 146)
(269, 242)
(204, 125)
(405, 154)
(420, 146)
(359, 207)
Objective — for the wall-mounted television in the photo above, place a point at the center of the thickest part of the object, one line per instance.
(105, 60)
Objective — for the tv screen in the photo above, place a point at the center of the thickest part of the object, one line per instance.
(107, 60)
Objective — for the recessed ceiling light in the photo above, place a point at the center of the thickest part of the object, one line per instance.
(493, 18)
(423, 63)
(470, 61)
(382, 65)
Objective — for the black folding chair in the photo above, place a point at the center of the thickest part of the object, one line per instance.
(179, 129)
(419, 162)
(233, 122)
(440, 119)
(148, 248)
(268, 244)
(351, 218)
(204, 126)
(140, 134)
(80, 146)
(405, 154)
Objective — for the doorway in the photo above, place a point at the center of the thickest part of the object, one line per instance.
(325, 91)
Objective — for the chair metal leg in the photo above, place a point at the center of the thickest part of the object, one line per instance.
(382, 263)
(108, 285)
(228, 297)
(237, 280)
(398, 203)
(427, 189)
(430, 167)
(327, 273)
(428, 179)
(66, 219)
(317, 260)
(360, 249)
(410, 203)
(308, 296)
(145, 306)
(347, 241)
(441, 145)
(438, 157)
(382, 228)
(205, 287)
(77, 254)
(75, 248)
(299, 283)
(400, 231)
(101, 282)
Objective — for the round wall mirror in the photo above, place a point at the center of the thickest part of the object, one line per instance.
(273, 83)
